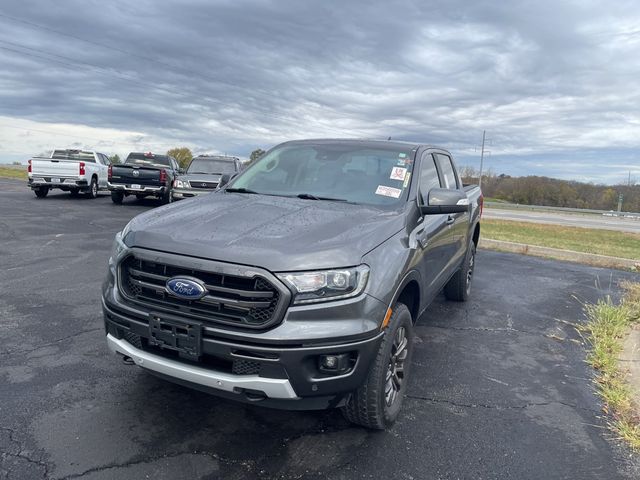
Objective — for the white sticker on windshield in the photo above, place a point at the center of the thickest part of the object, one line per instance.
(398, 173)
(402, 155)
(388, 191)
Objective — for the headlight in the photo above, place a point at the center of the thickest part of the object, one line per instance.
(180, 184)
(117, 248)
(311, 287)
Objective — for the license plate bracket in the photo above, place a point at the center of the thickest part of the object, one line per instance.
(181, 336)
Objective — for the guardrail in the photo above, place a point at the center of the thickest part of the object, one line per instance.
(517, 206)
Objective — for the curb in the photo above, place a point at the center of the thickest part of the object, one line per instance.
(559, 254)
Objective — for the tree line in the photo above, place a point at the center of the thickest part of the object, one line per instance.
(552, 192)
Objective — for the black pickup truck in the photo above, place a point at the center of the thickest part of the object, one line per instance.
(143, 175)
(298, 283)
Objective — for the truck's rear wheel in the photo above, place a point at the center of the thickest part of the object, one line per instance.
(167, 197)
(459, 287)
(117, 197)
(41, 192)
(93, 188)
(376, 404)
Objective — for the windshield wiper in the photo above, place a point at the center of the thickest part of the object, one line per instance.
(309, 196)
(239, 190)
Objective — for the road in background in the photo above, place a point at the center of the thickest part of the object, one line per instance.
(565, 219)
(499, 387)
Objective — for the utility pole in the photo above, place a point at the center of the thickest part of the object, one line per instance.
(484, 132)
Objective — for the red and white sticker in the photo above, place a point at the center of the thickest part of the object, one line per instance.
(388, 191)
(398, 173)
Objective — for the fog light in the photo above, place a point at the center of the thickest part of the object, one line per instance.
(329, 361)
(337, 364)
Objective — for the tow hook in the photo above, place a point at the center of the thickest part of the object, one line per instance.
(127, 360)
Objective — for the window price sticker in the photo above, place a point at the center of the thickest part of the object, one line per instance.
(388, 191)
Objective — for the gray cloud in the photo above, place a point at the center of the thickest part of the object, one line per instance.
(552, 83)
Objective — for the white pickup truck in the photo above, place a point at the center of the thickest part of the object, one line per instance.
(72, 171)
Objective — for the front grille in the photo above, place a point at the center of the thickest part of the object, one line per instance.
(196, 184)
(250, 302)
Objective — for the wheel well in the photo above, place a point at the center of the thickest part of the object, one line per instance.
(410, 296)
(476, 234)
(94, 176)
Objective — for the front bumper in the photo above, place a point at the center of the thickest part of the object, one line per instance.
(180, 193)
(285, 357)
(272, 387)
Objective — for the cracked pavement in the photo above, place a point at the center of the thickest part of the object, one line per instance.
(499, 387)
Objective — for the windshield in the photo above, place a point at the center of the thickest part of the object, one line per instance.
(147, 159)
(340, 171)
(211, 165)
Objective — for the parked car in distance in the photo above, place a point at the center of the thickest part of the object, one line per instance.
(70, 170)
(143, 175)
(203, 175)
(297, 284)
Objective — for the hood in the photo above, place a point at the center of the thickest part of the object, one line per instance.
(276, 233)
(200, 177)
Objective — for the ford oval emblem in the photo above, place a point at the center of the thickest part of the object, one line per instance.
(185, 287)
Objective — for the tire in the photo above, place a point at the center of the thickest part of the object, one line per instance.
(167, 197)
(117, 197)
(377, 403)
(74, 192)
(41, 192)
(458, 288)
(93, 188)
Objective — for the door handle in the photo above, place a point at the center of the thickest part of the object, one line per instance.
(450, 220)
(422, 238)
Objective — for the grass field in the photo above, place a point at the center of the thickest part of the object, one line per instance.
(608, 325)
(588, 240)
(11, 171)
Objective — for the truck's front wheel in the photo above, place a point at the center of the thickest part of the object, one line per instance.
(117, 197)
(376, 404)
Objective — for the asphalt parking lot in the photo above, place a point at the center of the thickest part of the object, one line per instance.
(499, 387)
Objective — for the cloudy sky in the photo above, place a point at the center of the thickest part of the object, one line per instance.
(556, 85)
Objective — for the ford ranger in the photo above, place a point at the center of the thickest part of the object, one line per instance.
(297, 284)
(69, 170)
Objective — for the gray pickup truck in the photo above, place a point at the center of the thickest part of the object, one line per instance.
(298, 283)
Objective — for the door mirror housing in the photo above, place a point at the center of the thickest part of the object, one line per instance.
(226, 178)
(445, 200)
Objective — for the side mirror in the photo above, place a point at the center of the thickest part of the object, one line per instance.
(444, 200)
(225, 178)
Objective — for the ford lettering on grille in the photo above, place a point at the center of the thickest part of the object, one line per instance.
(187, 288)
